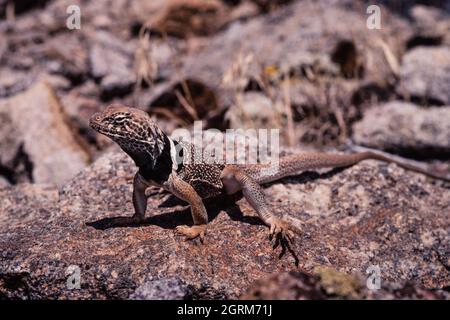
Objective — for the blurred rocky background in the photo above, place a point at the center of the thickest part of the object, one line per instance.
(311, 68)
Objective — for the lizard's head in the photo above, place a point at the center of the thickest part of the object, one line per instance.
(132, 129)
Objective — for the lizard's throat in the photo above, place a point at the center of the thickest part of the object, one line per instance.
(143, 155)
(152, 157)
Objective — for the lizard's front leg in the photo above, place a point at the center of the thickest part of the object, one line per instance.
(235, 179)
(139, 203)
(186, 192)
(139, 198)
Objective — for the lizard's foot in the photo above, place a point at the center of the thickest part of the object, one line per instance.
(193, 232)
(280, 227)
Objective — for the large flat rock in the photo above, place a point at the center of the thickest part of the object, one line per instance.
(369, 214)
(425, 74)
(405, 127)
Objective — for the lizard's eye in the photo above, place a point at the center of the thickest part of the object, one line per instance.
(119, 119)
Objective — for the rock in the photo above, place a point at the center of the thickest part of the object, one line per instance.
(80, 104)
(369, 214)
(425, 74)
(14, 163)
(101, 21)
(269, 5)
(255, 110)
(339, 284)
(162, 289)
(323, 62)
(331, 284)
(3, 182)
(244, 10)
(432, 26)
(82, 101)
(405, 127)
(40, 125)
(69, 59)
(111, 63)
(10, 142)
(36, 202)
(292, 39)
(14, 81)
(44, 197)
(190, 17)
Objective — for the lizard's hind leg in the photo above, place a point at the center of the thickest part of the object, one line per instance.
(235, 179)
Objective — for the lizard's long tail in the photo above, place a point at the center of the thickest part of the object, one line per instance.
(408, 164)
(294, 164)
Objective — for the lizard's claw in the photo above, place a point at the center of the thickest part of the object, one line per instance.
(282, 228)
(192, 232)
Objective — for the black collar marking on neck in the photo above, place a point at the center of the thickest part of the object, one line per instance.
(163, 165)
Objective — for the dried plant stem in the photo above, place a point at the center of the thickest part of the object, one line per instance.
(10, 12)
(290, 134)
(185, 104)
(169, 115)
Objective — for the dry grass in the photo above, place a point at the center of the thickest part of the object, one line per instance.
(145, 67)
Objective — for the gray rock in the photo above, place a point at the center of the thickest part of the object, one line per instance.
(255, 110)
(401, 126)
(425, 74)
(9, 140)
(431, 24)
(69, 59)
(3, 182)
(111, 62)
(14, 164)
(41, 126)
(293, 38)
(102, 59)
(14, 81)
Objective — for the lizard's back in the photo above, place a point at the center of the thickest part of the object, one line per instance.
(203, 177)
(202, 169)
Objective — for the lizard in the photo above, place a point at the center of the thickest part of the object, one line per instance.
(155, 155)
